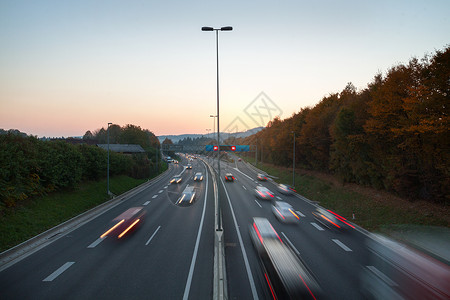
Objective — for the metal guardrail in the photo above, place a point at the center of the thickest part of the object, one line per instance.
(17, 253)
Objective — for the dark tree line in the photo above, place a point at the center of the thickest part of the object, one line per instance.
(392, 135)
(31, 167)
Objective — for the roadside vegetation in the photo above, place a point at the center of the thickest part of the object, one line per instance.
(372, 209)
(392, 135)
(35, 216)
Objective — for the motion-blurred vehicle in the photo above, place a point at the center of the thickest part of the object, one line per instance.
(188, 196)
(287, 276)
(284, 212)
(198, 176)
(229, 177)
(239, 159)
(398, 271)
(331, 219)
(189, 166)
(261, 177)
(263, 193)
(286, 189)
(176, 179)
(126, 222)
(175, 161)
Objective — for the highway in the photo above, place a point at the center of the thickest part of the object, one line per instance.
(171, 254)
(335, 258)
(169, 257)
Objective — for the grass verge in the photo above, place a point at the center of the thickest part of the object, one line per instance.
(375, 212)
(40, 214)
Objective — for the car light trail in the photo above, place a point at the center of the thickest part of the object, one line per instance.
(179, 202)
(306, 286)
(112, 228)
(276, 233)
(330, 221)
(294, 214)
(129, 227)
(341, 218)
(270, 286)
(257, 232)
(279, 213)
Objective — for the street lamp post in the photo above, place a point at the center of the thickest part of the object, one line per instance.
(293, 164)
(214, 123)
(107, 176)
(226, 28)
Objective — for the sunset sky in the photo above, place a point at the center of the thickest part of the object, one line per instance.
(71, 66)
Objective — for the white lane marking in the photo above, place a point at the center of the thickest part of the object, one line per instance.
(290, 244)
(258, 203)
(381, 275)
(197, 242)
(160, 191)
(340, 244)
(279, 198)
(166, 187)
(98, 241)
(244, 174)
(154, 196)
(244, 254)
(300, 213)
(244, 187)
(317, 226)
(147, 203)
(58, 272)
(154, 233)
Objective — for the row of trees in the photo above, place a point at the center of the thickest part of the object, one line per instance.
(394, 134)
(33, 167)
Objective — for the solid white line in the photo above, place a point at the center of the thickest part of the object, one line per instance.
(98, 241)
(146, 203)
(382, 276)
(340, 244)
(300, 213)
(317, 226)
(154, 196)
(290, 243)
(244, 254)
(154, 233)
(59, 271)
(194, 256)
(258, 203)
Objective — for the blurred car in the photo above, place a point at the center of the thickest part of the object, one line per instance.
(239, 159)
(189, 166)
(331, 219)
(229, 177)
(126, 222)
(175, 161)
(284, 212)
(286, 189)
(188, 196)
(261, 177)
(176, 179)
(287, 276)
(198, 176)
(263, 193)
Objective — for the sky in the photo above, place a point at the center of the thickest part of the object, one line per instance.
(67, 67)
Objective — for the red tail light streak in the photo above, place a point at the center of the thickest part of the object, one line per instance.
(129, 227)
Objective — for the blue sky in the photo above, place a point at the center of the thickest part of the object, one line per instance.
(71, 66)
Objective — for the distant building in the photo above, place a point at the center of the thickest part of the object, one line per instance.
(123, 148)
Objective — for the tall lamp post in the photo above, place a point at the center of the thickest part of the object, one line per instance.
(226, 28)
(214, 123)
(293, 164)
(107, 176)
